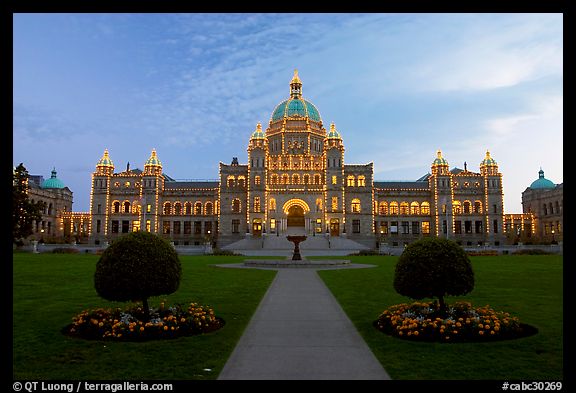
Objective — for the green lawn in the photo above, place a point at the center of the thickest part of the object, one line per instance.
(49, 289)
(529, 287)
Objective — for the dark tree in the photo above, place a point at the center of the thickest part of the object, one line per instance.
(137, 266)
(434, 267)
(24, 212)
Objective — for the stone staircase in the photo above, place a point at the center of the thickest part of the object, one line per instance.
(278, 243)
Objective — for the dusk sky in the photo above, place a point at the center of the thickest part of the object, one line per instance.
(194, 86)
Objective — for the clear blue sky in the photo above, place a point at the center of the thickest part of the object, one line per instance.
(193, 86)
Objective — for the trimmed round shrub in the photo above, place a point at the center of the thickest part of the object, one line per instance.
(137, 266)
(433, 267)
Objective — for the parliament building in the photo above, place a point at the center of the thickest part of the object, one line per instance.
(296, 180)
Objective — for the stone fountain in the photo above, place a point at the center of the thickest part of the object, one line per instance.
(296, 240)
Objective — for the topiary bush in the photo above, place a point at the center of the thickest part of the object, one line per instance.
(433, 267)
(137, 266)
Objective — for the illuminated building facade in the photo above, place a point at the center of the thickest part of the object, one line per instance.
(544, 200)
(58, 200)
(296, 180)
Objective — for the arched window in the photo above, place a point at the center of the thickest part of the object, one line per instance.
(274, 179)
(361, 181)
(307, 180)
(167, 208)
(350, 181)
(425, 208)
(230, 181)
(187, 208)
(177, 208)
(404, 209)
(126, 207)
(50, 209)
(241, 181)
(545, 209)
(197, 208)
(393, 207)
(272, 204)
(236, 207)
(208, 208)
(355, 205)
(467, 206)
(456, 207)
(557, 207)
(414, 208)
(478, 207)
(257, 204)
(316, 179)
(116, 208)
(295, 179)
(285, 178)
(383, 208)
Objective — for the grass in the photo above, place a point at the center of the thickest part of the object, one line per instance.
(527, 286)
(49, 289)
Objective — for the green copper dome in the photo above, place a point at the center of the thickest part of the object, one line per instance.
(53, 182)
(333, 134)
(258, 134)
(296, 107)
(542, 183)
(439, 159)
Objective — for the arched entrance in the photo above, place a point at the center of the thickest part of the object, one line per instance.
(295, 216)
(295, 210)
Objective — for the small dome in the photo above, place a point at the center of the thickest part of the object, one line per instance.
(258, 134)
(333, 134)
(153, 160)
(488, 161)
(53, 182)
(439, 159)
(105, 160)
(542, 183)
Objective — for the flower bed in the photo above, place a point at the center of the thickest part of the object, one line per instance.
(463, 323)
(130, 325)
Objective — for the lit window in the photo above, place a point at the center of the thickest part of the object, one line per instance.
(350, 181)
(334, 179)
(256, 204)
(334, 204)
(424, 209)
(257, 180)
(241, 181)
(457, 207)
(414, 208)
(383, 208)
(178, 208)
(425, 227)
(198, 208)
(404, 209)
(394, 207)
(355, 205)
(127, 184)
(167, 208)
(230, 181)
(272, 204)
(361, 181)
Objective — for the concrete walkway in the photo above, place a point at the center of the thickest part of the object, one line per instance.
(300, 332)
